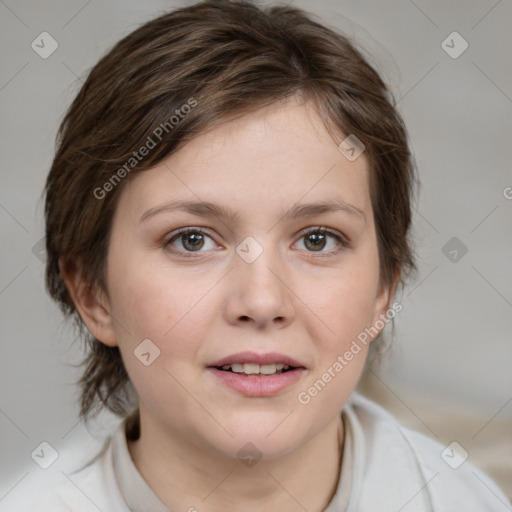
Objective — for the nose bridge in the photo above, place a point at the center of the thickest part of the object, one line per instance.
(258, 268)
(259, 289)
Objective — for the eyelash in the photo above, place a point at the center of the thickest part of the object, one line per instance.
(343, 241)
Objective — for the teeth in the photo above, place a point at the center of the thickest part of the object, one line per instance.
(267, 369)
(251, 368)
(254, 369)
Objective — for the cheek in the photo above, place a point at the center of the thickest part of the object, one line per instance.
(150, 299)
(171, 313)
(351, 307)
(343, 309)
(343, 303)
(172, 309)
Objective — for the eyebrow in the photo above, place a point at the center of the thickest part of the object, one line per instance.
(208, 209)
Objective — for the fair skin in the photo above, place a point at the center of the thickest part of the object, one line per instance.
(304, 303)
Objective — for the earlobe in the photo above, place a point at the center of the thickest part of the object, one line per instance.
(90, 301)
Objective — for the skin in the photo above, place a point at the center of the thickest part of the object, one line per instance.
(307, 304)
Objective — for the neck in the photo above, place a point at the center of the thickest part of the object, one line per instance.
(185, 476)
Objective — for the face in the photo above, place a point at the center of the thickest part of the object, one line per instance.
(278, 265)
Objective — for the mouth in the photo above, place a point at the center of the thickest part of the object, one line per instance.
(254, 369)
(252, 363)
(257, 375)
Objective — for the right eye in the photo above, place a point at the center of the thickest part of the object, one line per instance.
(190, 240)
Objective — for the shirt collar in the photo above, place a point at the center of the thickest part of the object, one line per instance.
(135, 491)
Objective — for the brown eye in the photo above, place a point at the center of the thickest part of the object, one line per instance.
(315, 241)
(322, 241)
(190, 240)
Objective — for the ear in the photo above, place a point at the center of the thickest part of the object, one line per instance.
(383, 300)
(90, 301)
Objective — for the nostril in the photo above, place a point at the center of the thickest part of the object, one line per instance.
(244, 318)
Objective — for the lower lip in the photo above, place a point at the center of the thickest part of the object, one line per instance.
(258, 385)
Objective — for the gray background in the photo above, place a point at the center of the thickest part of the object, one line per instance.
(448, 372)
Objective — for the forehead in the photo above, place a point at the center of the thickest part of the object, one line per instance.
(279, 155)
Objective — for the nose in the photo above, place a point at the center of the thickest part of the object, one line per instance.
(259, 293)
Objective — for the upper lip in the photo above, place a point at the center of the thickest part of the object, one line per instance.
(255, 358)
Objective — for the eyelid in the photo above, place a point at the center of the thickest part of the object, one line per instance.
(323, 229)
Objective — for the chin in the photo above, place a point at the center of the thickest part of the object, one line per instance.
(265, 434)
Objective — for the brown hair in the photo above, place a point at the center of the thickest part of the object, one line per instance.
(221, 58)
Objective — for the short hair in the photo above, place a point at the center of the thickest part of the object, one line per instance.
(221, 59)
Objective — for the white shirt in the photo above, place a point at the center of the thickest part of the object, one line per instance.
(385, 468)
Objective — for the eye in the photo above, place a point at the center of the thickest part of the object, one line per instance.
(317, 239)
(189, 240)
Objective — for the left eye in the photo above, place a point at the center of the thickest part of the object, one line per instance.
(320, 239)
